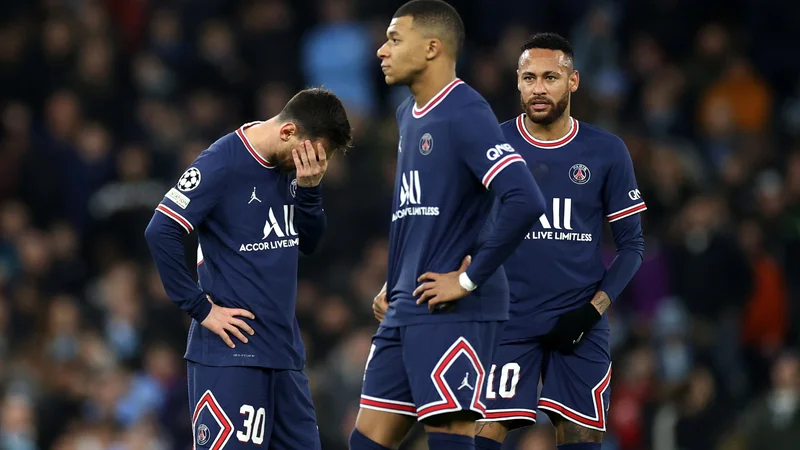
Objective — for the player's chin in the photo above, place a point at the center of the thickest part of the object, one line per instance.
(543, 117)
(396, 80)
(286, 167)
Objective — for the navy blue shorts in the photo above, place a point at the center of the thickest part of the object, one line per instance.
(429, 369)
(576, 386)
(240, 408)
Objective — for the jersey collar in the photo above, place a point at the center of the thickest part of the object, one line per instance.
(438, 98)
(573, 131)
(249, 146)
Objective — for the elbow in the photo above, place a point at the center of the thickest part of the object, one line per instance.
(151, 233)
(638, 245)
(534, 207)
(539, 206)
(159, 228)
(309, 242)
(307, 246)
(633, 246)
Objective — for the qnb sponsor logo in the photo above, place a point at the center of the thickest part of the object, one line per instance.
(411, 198)
(559, 226)
(498, 150)
(283, 230)
(634, 194)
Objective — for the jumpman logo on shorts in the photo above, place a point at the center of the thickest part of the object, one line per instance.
(465, 383)
(253, 197)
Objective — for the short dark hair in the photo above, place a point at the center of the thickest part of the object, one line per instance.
(319, 114)
(438, 17)
(549, 41)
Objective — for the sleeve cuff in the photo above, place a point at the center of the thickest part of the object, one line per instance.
(466, 283)
(308, 194)
(200, 311)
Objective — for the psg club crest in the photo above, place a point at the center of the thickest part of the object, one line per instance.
(579, 174)
(203, 434)
(426, 144)
(293, 187)
(189, 180)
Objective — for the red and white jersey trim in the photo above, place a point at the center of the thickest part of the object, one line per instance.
(629, 211)
(499, 166)
(573, 131)
(598, 422)
(420, 112)
(503, 415)
(249, 146)
(449, 402)
(200, 259)
(226, 426)
(392, 406)
(169, 212)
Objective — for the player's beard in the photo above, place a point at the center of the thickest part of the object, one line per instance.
(284, 162)
(553, 114)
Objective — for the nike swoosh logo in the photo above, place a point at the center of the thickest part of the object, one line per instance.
(577, 340)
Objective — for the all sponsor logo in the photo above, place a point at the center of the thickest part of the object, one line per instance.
(411, 198)
(279, 232)
(558, 226)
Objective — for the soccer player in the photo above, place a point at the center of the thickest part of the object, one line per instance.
(447, 292)
(245, 357)
(560, 288)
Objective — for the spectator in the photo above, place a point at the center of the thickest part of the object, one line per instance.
(774, 422)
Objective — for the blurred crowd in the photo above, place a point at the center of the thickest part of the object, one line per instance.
(103, 103)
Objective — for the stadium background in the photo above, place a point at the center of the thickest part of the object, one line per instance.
(103, 103)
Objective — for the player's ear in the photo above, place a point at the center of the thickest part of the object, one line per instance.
(433, 49)
(574, 81)
(288, 130)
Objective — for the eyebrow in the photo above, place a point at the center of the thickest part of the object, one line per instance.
(392, 33)
(544, 74)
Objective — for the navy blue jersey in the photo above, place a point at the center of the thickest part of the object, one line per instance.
(450, 153)
(587, 178)
(247, 215)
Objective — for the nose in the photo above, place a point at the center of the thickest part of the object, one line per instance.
(382, 52)
(538, 87)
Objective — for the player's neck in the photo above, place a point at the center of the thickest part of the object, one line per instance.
(259, 137)
(550, 132)
(429, 84)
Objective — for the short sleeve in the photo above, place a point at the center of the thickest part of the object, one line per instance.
(621, 196)
(481, 143)
(196, 192)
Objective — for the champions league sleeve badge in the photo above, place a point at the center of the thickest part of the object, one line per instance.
(189, 180)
